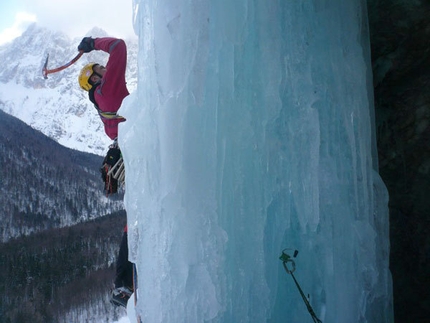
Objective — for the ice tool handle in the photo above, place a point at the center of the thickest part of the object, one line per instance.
(46, 71)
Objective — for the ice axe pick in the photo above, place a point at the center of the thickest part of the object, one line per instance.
(46, 71)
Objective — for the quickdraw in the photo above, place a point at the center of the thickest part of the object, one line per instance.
(290, 268)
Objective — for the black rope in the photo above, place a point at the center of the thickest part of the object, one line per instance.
(287, 259)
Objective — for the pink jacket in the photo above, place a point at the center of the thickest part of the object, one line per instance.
(112, 90)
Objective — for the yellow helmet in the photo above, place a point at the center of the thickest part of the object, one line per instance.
(84, 76)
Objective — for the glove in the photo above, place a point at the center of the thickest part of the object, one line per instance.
(86, 45)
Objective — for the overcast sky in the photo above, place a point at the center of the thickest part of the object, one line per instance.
(74, 17)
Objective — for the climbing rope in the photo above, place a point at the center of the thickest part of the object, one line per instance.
(290, 267)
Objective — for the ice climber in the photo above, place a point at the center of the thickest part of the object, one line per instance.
(106, 86)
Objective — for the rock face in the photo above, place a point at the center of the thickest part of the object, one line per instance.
(400, 30)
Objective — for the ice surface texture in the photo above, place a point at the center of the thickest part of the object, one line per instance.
(251, 131)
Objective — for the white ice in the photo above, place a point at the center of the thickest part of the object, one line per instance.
(252, 131)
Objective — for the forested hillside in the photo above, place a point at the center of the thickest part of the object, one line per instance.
(61, 275)
(44, 185)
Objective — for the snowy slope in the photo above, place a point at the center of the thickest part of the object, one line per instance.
(56, 106)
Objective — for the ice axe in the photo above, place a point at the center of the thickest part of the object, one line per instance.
(45, 70)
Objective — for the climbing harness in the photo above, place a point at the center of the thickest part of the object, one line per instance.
(290, 267)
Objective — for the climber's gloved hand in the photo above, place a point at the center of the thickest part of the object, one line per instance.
(86, 45)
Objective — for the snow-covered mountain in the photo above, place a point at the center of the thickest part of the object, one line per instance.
(56, 106)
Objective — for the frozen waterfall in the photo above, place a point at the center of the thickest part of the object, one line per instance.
(252, 131)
